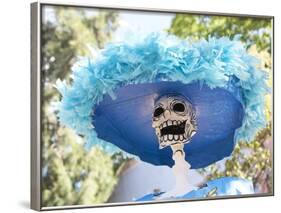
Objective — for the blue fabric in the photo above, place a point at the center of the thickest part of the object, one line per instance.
(127, 122)
(219, 187)
(216, 64)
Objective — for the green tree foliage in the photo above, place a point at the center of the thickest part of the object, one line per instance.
(252, 30)
(249, 160)
(71, 174)
(69, 36)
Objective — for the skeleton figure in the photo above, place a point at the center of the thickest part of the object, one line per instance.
(174, 121)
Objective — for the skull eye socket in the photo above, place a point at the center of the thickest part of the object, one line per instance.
(179, 107)
(158, 111)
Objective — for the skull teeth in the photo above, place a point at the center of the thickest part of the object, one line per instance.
(170, 137)
(169, 123)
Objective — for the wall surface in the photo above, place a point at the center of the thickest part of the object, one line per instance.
(15, 105)
(151, 177)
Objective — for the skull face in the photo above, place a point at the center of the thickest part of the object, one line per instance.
(174, 120)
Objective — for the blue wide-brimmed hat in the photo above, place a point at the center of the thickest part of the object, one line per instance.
(111, 98)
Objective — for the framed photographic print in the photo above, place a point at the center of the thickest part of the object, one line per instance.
(137, 105)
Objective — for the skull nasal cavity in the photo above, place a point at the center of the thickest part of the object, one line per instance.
(167, 113)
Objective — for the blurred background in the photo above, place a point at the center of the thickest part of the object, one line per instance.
(73, 175)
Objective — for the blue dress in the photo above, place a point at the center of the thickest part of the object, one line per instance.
(225, 186)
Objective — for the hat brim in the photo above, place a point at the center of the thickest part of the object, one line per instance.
(127, 121)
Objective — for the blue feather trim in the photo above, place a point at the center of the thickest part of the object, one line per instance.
(222, 63)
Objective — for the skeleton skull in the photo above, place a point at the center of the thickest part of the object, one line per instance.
(174, 120)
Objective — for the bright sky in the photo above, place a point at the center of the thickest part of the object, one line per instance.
(142, 23)
(131, 22)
